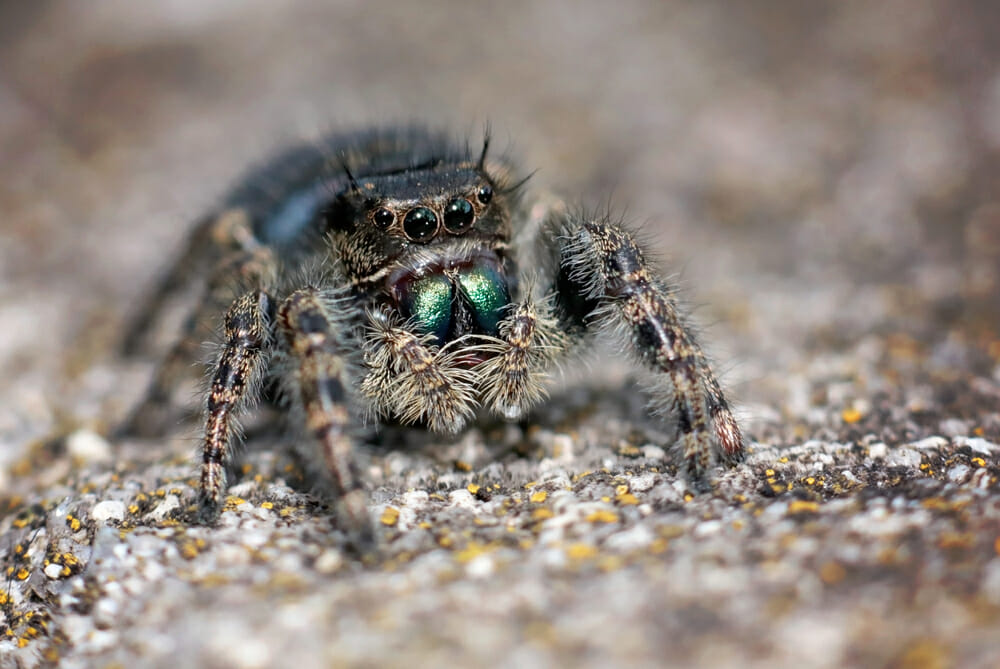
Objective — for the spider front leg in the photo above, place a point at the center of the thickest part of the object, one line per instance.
(530, 341)
(604, 282)
(236, 380)
(321, 385)
(413, 379)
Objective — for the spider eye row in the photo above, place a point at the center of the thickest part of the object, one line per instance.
(421, 224)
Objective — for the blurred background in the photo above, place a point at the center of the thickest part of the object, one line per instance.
(823, 179)
(822, 176)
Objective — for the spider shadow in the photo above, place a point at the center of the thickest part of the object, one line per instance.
(405, 455)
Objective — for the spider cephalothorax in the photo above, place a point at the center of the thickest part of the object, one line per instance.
(392, 274)
(430, 241)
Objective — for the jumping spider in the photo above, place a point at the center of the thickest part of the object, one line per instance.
(394, 275)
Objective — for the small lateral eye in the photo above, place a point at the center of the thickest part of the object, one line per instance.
(458, 215)
(420, 225)
(485, 194)
(383, 218)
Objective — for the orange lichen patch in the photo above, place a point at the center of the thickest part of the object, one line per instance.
(580, 551)
(472, 488)
(688, 497)
(424, 525)
(979, 462)
(957, 540)
(538, 497)
(778, 488)
(577, 477)
(802, 506)
(627, 499)
(851, 416)
(901, 345)
(473, 550)
(73, 522)
(629, 451)
(924, 654)
(602, 516)
(940, 504)
(232, 502)
(463, 466)
(70, 563)
(889, 557)
(996, 546)
(611, 563)
(190, 548)
(530, 484)
(832, 572)
(541, 514)
(659, 545)
(22, 574)
(390, 516)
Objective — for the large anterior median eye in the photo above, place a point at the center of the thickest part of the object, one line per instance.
(486, 290)
(428, 300)
(420, 224)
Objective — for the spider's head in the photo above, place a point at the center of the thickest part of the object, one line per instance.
(432, 239)
(408, 217)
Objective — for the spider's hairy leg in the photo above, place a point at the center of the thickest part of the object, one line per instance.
(321, 385)
(235, 381)
(603, 281)
(413, 380)
(212, 237)
(250, 268)
(530, 341)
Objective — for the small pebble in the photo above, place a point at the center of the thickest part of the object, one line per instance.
(878, 450)
(88, 446)
(108, 510)
(169, 503)
(328, 562)
(959, 473)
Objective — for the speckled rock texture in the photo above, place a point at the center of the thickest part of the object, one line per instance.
(823, 178)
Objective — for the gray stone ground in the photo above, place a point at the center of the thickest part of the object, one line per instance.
(823, 176)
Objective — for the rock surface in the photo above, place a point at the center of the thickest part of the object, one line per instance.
(825, 177)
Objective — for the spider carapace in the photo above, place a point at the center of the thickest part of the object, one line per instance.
(395, 274)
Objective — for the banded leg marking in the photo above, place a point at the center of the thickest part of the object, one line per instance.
(235, 380)
(322, 380)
